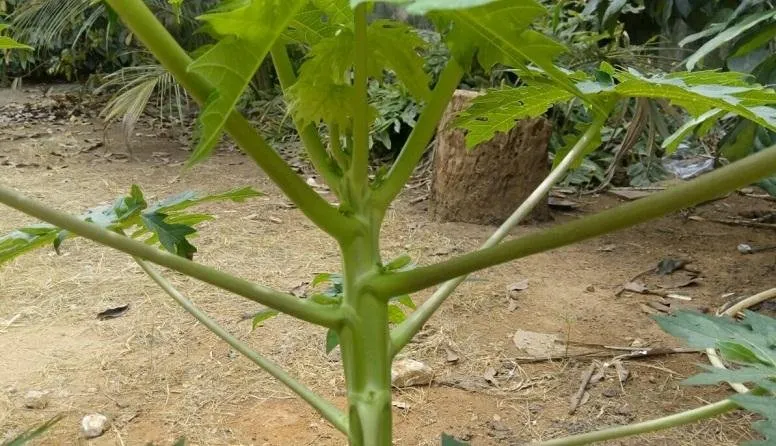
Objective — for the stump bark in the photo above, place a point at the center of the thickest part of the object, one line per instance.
(487, 184)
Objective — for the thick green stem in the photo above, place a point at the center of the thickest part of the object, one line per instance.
(285, 303)
(359, 170)
(707, 187)
(324, 407)
(309, 134)
(680, 419)
(421, 135)
(155, 37)
(404, 333)
(365, 342)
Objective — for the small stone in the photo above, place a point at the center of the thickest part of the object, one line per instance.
(638, 343)
(611, 392)
(36, 399)
(94, 425)
(624, 410)
(534, 408)
(590, 289)
(652, 379)
(335, 355)
(409, 372)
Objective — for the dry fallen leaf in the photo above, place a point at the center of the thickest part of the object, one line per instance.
(622, 373)
(540, 345)
(400, 405)
(451, 356)
(512, 306)
(518, 286)
(490, 376)
(635, 287)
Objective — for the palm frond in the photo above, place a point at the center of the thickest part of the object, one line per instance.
(134, 89)
(41, 22)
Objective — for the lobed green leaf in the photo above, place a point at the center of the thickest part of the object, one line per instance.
(165, 222)
(499, 110)
(765, 406)
(262, 316)
(248, 30)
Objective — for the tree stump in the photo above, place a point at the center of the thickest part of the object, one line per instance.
(486, 185)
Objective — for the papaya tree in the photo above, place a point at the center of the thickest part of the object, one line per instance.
(345, 51)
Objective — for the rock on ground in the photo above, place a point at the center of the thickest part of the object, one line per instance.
(409, 372)
(94, 425)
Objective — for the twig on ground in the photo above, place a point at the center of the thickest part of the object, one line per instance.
(735, 222)
(576, 400)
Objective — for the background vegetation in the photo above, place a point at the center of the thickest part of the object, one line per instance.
(81, 41)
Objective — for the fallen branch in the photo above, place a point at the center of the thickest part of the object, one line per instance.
(735, 222)
(576, 400)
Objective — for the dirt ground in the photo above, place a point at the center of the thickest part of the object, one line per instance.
(158, 374)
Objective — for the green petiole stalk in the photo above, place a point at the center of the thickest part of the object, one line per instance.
(155, 37)
(359, 170)
(690, 416)
(324, 407)
(309, 134)
(285, 303)
(335, 146)
(421, 135)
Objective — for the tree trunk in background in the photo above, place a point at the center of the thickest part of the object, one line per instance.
(486, 185)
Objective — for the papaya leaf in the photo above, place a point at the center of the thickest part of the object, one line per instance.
(325, 299)
(395, 314)
(704, 95)
(449, 440)
(499, 110)
(321, 278)
(750, 344)
(250, 28)
(484, 30)
(262, 316)
(337, 11)
(332, 340)
(405, 300)
(171, 236)
(164, 221)
(399, 263)
(765, 406)
(395, 46)
(701, 93)
(26, 239)
(323, 91)
(309, 26)
(188, 199)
